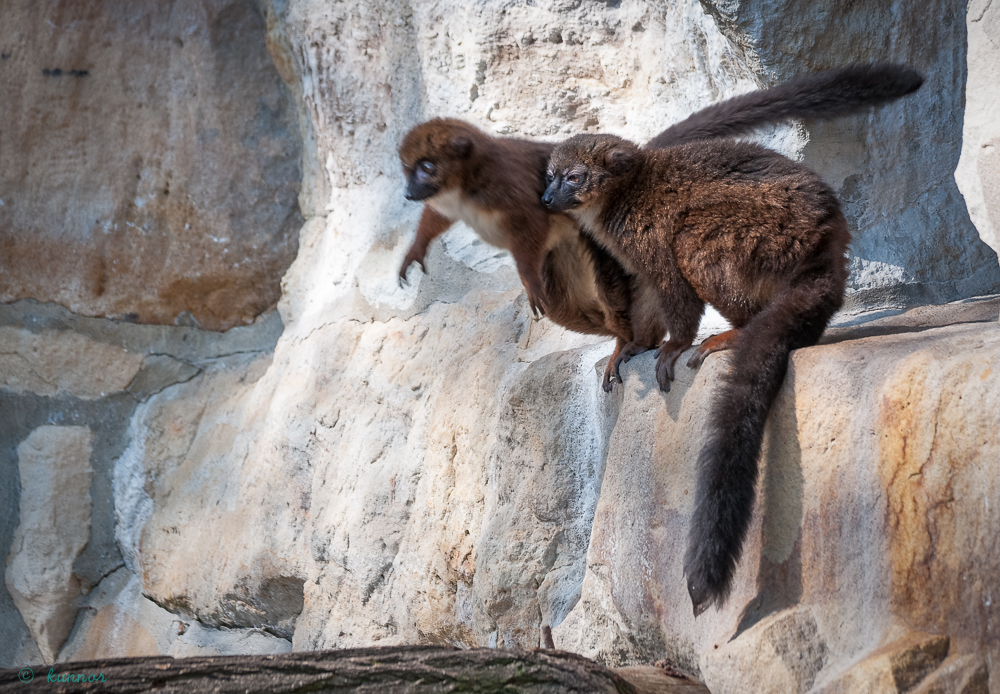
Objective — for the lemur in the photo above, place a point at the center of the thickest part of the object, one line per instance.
(494, 185)
(733, 224)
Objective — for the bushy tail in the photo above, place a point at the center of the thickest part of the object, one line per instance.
(727, 466)
(823, 95)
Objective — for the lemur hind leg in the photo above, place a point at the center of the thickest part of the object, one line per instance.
(716, 343)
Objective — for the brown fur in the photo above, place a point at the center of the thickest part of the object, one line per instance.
(747, 230)
(481, 181)
(494, 185)
(720, 222)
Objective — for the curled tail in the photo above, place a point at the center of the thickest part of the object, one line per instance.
(825, 95)
(727, 466)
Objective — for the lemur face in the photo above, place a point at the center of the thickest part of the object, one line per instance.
(581, 167)
(432, 155)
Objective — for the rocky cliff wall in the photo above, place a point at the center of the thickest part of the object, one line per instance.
(429, 464)
(151, 160)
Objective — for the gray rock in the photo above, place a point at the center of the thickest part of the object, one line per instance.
(159, 371)
(53, 528)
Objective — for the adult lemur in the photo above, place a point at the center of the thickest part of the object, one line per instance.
(736, 225)
(494, 185)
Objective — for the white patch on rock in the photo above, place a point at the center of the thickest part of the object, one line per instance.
(712, 323)
(874, 273)
(53, 528)
(978, 172)
(133, 506)
(464, 245)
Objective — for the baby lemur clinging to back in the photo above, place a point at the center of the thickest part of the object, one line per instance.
(736, 225)
(494, 185)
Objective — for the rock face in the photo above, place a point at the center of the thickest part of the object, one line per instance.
(978, 172)
(91, 374)
(151, 160)
(51, 363)
(53, 528)
(874, 510)
(428, 464)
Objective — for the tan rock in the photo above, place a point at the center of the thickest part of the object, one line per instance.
(115, 634)
(53, 528)
(853, 524)
(57, 363)
(427, 464)
(151, 160)
(354, 526)
(782, 653)
(897, 667)
(958, 674)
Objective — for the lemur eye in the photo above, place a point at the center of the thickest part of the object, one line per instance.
(574, 178)
(549, 176)
(427, 166)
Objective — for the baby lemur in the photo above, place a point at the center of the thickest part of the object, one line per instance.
(494, 185)
(755, 234)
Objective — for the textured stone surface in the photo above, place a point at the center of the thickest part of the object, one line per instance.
(355, 554)
(184, 343)
(896, 667)
(391, 555)
(150, 160)
(875, 507)
(962, 674)
(428, 464)
(978, 172)
(117, 620)
(63, 363)
(54, 525)
(74, 352)
(786, 652)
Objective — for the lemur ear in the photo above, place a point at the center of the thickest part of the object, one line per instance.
(618, 160)
(460, 146)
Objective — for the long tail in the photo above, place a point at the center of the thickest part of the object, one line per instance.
(727, 466)
(825, 95)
